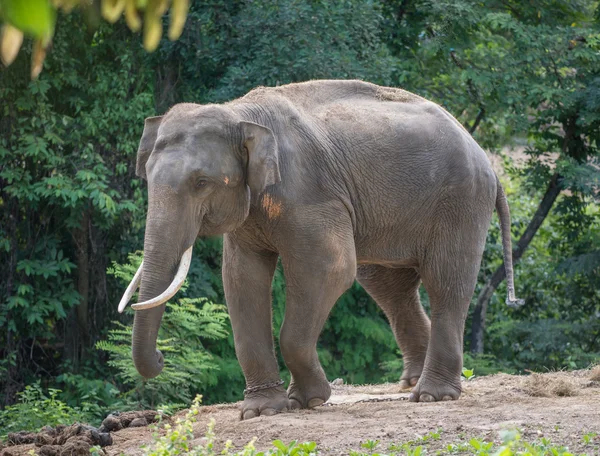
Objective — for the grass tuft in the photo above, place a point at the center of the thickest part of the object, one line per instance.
(595, 374)
(538, 385)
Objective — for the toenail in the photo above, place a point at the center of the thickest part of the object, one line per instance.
(315, 402)
(295, 404)
(248, 414)
(269, 412)
(447, 398)
(426, 398)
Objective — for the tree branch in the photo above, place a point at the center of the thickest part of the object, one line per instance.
(478, 119)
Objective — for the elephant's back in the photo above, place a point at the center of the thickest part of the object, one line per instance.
(315, 94)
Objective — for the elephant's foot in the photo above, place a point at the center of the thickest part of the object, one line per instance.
(411, 374)
(308, 395)
(408, 383)
(433, 391)
(266, 402)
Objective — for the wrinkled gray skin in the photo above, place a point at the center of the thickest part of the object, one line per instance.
(341, 180)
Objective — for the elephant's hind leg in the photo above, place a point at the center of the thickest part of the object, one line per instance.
(449, 272)
(396, 291)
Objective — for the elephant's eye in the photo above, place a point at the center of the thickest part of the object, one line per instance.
(201, 183)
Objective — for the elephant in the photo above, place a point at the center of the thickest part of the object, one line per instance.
(341, 180)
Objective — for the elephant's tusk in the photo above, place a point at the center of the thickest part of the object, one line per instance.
(184, 267)
(133, 286)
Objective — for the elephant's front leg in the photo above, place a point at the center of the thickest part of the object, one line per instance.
(247, 277)
(315, 279)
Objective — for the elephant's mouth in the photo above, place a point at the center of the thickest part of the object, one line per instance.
(176, 283)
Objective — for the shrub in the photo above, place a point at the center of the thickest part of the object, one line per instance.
(35, 409)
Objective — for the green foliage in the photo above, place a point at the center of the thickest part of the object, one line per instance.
(37, 18)
(338, 40)
(98, 396)
(554, 331)
(66, 191)
(486, 364)
(36, 409)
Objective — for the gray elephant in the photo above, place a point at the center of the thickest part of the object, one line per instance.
(342, 180)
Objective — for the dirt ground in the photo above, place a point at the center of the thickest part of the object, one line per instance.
(562, 407)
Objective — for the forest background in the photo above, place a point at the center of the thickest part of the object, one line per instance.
(522, 75)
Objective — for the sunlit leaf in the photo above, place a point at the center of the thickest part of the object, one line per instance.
(178, 14)
(11, 41)
(112, 9)
(66, 5)
(131, 16)
(152, 32)
(34, 17)
(37, 58)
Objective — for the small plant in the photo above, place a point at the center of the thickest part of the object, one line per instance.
(433, 435)
(481, 447)
(406, 447)
(418, 451)
(370, 445)
(294, 448)
(178, 441)
(589, 437)
(468, 374)
(96, 451)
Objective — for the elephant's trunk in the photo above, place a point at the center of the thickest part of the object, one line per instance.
(159, 269)
(148, 360)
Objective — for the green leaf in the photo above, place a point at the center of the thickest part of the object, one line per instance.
(35, 17)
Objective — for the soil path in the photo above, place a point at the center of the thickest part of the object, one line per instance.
(382, 412)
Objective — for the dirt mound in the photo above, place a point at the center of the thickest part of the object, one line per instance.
(561, 407)
(76, 439)
(61, 440)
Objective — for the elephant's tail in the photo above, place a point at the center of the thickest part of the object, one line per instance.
(504, 216)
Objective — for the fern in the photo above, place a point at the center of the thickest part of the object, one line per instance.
(190, 368)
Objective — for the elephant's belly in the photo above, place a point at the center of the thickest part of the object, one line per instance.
(393, 251)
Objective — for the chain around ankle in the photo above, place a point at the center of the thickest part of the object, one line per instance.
(264, 386)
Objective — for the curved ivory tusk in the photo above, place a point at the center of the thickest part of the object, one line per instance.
(184, 267)
(135, 283)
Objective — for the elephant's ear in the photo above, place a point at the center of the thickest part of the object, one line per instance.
(146, 146)
(263, 160)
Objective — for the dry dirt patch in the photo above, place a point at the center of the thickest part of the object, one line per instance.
(382, 412)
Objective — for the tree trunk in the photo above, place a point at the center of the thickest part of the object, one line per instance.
(11, 383)
(83, 280)
(479, 314)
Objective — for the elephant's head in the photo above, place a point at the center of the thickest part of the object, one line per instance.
(204, 165)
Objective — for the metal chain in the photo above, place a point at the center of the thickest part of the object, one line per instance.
(264, 386)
